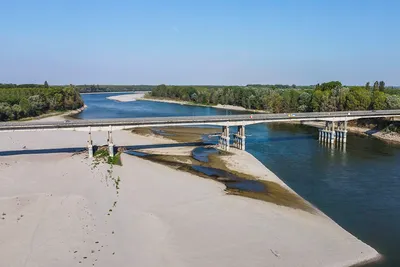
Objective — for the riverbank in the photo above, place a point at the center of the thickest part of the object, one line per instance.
(74, 210)
(56, 116)
(144, 97)
(228, 107)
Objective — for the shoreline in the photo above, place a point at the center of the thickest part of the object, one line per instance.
(58, 115)
(219, 106)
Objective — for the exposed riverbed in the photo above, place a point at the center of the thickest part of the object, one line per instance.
(357, 186)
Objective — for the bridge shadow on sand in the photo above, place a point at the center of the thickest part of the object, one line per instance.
(39, 151)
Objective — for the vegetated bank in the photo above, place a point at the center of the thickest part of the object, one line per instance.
(112, 88)
(330, 96)
(326, 97)
(23, 101)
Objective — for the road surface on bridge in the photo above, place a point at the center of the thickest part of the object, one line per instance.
(224, 120)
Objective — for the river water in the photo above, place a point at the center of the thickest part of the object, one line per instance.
(357, 186)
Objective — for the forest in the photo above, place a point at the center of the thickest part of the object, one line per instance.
(17, 102)
(84, 88)
(329, 96)
(112, 88)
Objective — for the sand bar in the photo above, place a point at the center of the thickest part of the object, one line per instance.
(126, 97)
(63, 210)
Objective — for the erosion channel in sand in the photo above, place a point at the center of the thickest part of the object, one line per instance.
(65, 209)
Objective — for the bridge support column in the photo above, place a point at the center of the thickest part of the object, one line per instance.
(224, 139)
(327, 134)
(110, 143)
(240, 137)
(341, 132)
(90, 144)
(332, 132)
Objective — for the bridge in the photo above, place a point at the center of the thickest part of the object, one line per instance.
(335, 124)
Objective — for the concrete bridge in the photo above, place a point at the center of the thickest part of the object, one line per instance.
(335, 129)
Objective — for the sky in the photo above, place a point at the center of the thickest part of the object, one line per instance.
(221, 42)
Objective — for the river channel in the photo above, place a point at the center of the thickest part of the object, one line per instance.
(357, 186)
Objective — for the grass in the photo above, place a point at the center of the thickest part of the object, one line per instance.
(102, 154)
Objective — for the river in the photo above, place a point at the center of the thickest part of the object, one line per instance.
(357, 186)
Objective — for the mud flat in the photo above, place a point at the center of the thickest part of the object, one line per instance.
(63, 209)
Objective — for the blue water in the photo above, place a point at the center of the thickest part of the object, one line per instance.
(357, 186)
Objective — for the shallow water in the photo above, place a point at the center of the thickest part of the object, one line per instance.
(357, 186)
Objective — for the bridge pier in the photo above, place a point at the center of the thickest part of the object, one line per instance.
(327, 134)
(110, 143)
(224, 138)
(240, 137)
(341, 132)
(90, 144)
(333, 132)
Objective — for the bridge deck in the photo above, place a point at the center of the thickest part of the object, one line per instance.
(229, 120)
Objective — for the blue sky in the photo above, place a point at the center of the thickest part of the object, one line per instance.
(199, 42)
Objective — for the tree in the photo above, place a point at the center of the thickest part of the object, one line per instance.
(376, 86)
(358, 99)
(316, 100)
(381, 86)
(17, 112)
(330, 85)
(46, 85)
(367, 86)
(193, 97)
(393, 101)
(37, 103)
(379, 100)
(25, 106)
(5, 112)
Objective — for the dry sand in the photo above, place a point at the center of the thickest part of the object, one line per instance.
(56, 212)
(126, 97)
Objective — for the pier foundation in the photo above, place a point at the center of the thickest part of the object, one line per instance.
(333, 132)
(224, 139)
(240, 139)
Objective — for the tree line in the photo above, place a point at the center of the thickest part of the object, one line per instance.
(330, 96)
(19, 102)
(84, 88)
(112, 88)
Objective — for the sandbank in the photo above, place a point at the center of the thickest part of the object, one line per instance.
(126, 97)
(60, 209)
